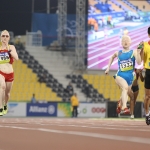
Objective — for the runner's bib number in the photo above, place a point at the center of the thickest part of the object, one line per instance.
(4, 58)
(126, 65)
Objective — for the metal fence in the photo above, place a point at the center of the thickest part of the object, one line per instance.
(34, 38)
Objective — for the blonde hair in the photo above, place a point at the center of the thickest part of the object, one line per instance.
(126, 37)
(1, 34)
(4, 31)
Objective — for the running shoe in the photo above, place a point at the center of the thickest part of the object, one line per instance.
(1, 112)
(132, 116)
(125, 111)
(118, 110)
(147, 119)
(5, 110)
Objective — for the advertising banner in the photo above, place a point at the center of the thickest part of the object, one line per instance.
(92, 110)
(113, 14)
(16, 109)
(64, 110)
(42, 109)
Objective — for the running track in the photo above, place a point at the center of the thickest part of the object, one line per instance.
(99, 52)
(73, 134)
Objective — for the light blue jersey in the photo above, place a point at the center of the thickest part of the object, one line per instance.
(126, 63)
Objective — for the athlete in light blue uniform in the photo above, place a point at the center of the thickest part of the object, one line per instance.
(125, 75)
(126, 63)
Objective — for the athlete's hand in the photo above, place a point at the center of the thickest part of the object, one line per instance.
(140, 47)
(107, 71)
(139, 51)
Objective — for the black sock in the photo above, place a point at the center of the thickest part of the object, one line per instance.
(5, 107)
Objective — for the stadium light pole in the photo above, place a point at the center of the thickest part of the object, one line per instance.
(80, 45)
(48, 6)
(32, 6)
(62, 20)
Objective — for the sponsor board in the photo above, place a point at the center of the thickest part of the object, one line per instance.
(16, 109)
(113, 14)
(64, 110)
(92, 110)
(42, 109)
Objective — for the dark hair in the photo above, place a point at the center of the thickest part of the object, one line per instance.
(149, 30)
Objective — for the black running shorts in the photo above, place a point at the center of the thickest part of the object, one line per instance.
(135, 88)
(147, 79)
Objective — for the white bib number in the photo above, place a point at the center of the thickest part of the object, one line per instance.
(127, 65)
(4, 57)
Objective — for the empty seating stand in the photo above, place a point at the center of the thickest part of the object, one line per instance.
(101, 86)
(31, 77)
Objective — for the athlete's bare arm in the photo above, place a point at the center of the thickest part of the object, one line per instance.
(111, 61)
(137, 56)
(13, 52)
(141, 76)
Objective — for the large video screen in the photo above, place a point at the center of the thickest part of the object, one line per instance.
(105, 30)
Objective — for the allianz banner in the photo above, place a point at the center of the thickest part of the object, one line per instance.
(42, 109)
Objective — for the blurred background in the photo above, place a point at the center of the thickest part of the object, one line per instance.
(64, 47)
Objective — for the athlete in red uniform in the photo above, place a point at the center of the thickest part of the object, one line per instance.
(7, 55)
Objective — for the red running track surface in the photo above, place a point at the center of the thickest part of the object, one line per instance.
(73, 134)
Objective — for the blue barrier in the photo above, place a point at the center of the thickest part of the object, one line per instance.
(44, 109)
(48, 25)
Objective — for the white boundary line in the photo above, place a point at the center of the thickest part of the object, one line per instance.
(103, 126)
(86, 134)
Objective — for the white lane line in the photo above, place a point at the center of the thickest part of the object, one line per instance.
(86, 134)
(90, 127)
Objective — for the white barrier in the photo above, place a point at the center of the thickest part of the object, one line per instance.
(20, 109)
(34, 38)
(92, 110)
(16, 109)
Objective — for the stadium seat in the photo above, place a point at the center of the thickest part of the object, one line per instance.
(26, 83)
(106, 85)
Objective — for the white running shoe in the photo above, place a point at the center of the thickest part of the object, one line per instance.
(132, 117)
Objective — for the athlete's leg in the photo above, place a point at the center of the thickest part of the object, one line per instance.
(147, 100)
(135, 96)
(131, 95)
(2, 93)
(119, 106)
(7, 91)
(124, 86)
(146, 105)
(7, 96)
(132, 103)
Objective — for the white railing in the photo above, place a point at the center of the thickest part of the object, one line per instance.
(34, 38)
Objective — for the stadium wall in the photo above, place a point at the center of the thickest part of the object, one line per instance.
(60, 109)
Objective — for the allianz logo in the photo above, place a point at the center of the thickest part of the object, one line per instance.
(50, 109)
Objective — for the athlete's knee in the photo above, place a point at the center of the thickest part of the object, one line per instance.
(131, 97)
(2, 86)
(7, 95)
(147, 96)
(125, 89)
(131, 94)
